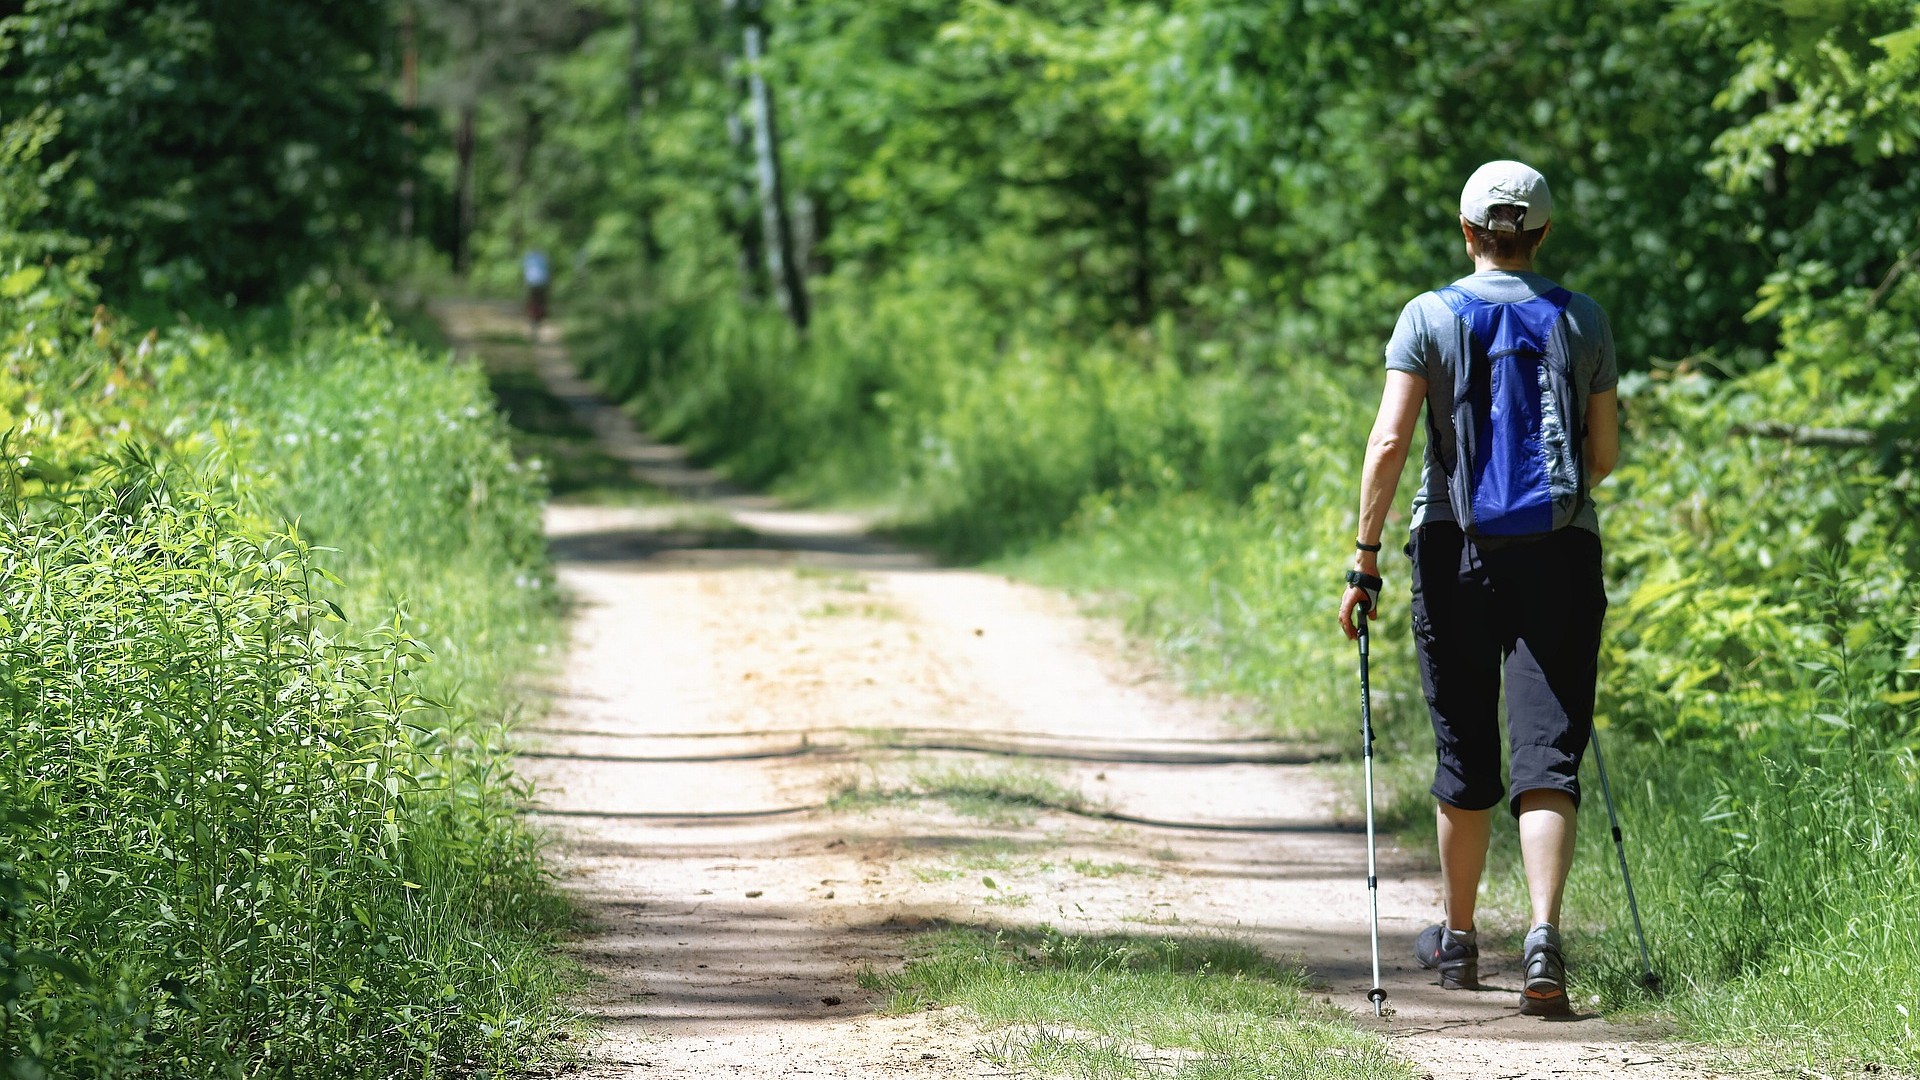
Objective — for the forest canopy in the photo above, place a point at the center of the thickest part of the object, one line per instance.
(218, 146)
(1286, 171)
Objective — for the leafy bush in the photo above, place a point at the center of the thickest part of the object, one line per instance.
(257, 621)
(181, 203)
(1735, 498)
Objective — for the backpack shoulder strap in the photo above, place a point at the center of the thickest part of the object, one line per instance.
(1559, 298)
(1457, 298)
(1463, 304)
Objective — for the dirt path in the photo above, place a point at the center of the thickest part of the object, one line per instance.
(735, 665)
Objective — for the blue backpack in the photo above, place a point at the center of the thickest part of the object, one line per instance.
(1516, 468)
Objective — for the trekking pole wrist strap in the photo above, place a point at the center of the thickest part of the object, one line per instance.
(1362, 545)
(1366, 583)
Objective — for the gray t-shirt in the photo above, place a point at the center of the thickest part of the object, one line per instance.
(1430, 341)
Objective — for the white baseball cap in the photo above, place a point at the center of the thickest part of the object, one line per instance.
(1506, 183)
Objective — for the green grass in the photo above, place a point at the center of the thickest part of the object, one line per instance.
(1001, 794)
(711, 526)
(1122, 1006)
(1095, 869)
(998, 792)
(1780, 897)
(832, 610)
(545, 431)
(989, 855)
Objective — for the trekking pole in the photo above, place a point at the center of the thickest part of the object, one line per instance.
(1375, 995)
(1647, 978)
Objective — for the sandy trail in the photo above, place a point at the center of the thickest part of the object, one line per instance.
(734, 665)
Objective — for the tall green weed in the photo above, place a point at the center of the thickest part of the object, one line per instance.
(259, 622)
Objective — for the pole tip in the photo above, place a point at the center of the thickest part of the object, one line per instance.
(1379, 999)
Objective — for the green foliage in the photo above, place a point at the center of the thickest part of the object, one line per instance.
(555, 163)
(994, 431)
(1334, 137)
(1715, 538)
(1821, 132)
(256, 809)
(27, 187)
(1261, 172)
(211, 145)
(1782, 867)
(1827, 75)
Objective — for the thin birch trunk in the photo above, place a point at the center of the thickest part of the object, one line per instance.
(789, 284)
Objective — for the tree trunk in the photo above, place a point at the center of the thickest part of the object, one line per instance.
(739, 199)
(1140, 213)
(463, 191)
(410, 93)
(522, 173)
(1774, 180)
(636, 64)
(805, 232)
(789, 285)
(650, 250)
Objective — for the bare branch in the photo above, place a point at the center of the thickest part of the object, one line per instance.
(1839, 438)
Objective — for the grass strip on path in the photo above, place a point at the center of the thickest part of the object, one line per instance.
(1126, 1005)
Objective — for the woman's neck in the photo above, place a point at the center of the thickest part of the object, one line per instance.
(1484, 263)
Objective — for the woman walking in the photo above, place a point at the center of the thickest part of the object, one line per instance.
(1517, 376)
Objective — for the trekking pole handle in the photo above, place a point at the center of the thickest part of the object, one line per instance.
(1369, 586)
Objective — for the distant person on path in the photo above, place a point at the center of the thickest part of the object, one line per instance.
(537, 274)
(1517, 376)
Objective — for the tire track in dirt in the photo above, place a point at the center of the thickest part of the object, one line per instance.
(734, 666)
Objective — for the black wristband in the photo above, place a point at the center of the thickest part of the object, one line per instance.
(1375, 548)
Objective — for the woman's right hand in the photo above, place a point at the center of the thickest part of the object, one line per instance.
(1362, 595)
